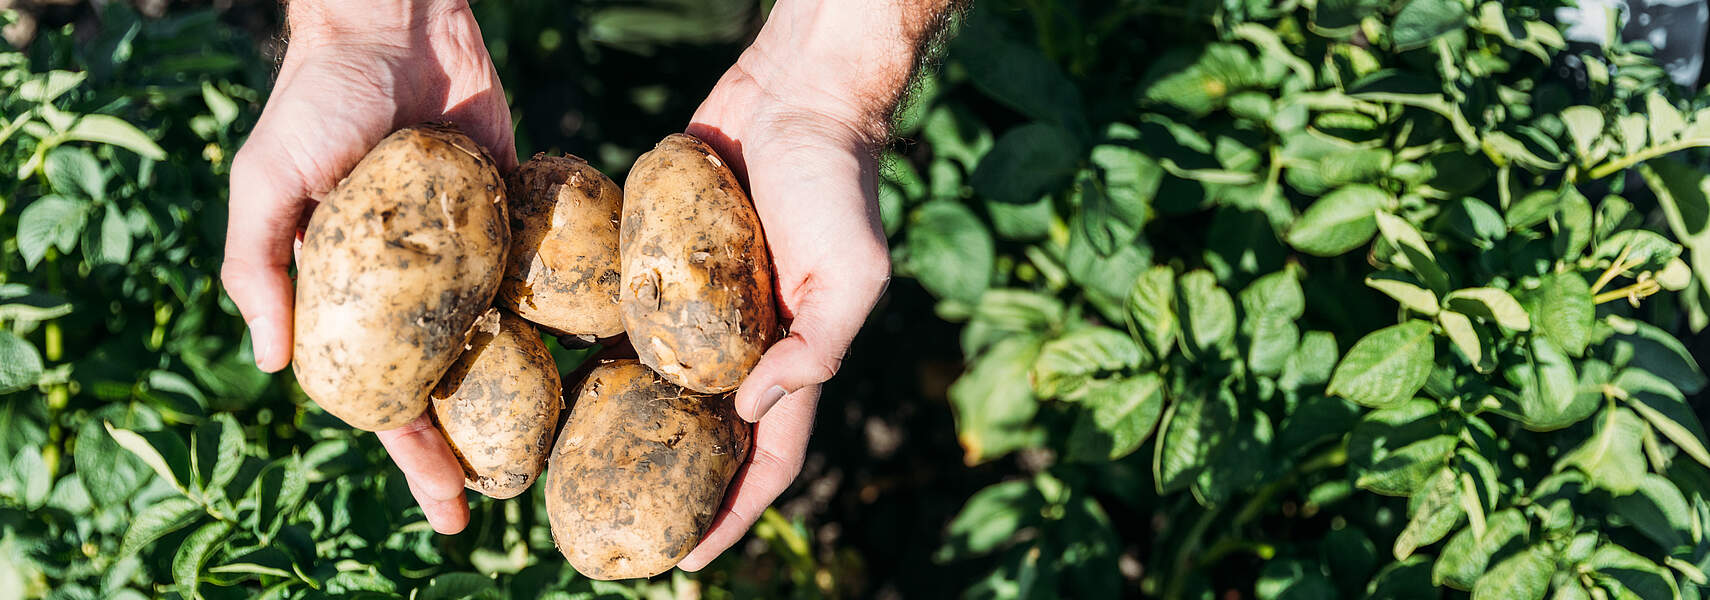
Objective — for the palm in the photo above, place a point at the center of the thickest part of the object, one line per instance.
(812, 182)
(333, 101)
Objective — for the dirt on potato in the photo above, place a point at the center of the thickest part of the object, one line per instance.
(639, 470)
(397, 263)
(562, 273)
(498, 405)
(697, 293)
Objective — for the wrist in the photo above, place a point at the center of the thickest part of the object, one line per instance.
(395, 22)
(846, 59)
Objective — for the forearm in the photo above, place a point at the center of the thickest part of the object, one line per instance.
(854, 58)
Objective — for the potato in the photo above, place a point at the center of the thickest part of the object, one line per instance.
(397, 263)
(639, 470)
(563, 268)
(697, 292)
(498, 405)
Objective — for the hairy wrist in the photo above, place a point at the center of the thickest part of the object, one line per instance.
(849, 59)
(396, 22)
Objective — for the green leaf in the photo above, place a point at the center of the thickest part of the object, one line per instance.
(1270, 306)
(1027, 162)
(1015, 74)
(1490, 304)
(1625, 571)
(1340, 221)
(1662, 405)
(109, 473)
(1665, 120)
(218, 462)
(1131, 179)
(1683, 191)
(1415, 255)
(1585, 127)
(1467, 554)
(276, 493)
(1405, 580)
(106, 129)
(20, 364)
(1564, 311)
(1436, 511)
(993, 402)
(158, 520)
(949, 251)
(220, 105)
(1651, 349)
(1151, 309)
(461, 586)
(1532, 209)
(1658, 510)
(1205, 312)
(19, 302)
(1611, 458)
(1201, 79)
(1465, 338)
(1421, 21)
(1003, 313)
(1394, 451)
(1551, 396)
(111, 242)
(1387, 366)
(194, 553)
(1405, 291)
(1312, 361)
(991, 516)
(50, 221)
(1119, 416)
(75, 171)
(1523, 576)
(1194, 428)
(153, 452)
(1067, 363)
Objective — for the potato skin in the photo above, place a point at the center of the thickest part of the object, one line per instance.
(498, 405)
(396, 264)
(697, 281)
(639, 470)
(562, 273)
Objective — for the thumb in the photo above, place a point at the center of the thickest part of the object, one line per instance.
(828, 314)
(264, 213)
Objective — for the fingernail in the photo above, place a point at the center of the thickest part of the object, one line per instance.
(262, 332)
(767, 399)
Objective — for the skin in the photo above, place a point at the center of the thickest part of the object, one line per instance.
(798, 118)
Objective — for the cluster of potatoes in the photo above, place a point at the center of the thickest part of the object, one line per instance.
(426, 278)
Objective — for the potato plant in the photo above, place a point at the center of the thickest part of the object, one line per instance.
(1315, 299)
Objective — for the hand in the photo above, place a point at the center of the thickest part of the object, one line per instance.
(355, 72)
(809, 165)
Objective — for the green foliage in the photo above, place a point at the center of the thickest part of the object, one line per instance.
(1376, 270)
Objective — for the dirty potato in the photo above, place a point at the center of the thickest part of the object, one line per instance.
(563, 268)
(639, 470)
(697, 282)
(498, 405)
(396, 264)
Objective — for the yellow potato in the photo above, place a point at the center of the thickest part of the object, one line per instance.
(697, 293)
(562, 273)
(397, 262)
(498, 405)
(639, 471)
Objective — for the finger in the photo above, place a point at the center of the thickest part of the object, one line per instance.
(264, 212)
(435, 478)
(780, 443)
(832, 305)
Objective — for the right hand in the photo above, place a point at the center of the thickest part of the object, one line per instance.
(353, 73)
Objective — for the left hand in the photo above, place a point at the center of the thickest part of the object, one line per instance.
(810, 169)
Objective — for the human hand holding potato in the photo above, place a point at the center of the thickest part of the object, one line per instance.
(800, 118)
(353, 73)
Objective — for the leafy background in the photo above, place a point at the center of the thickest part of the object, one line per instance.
(1198, 299)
